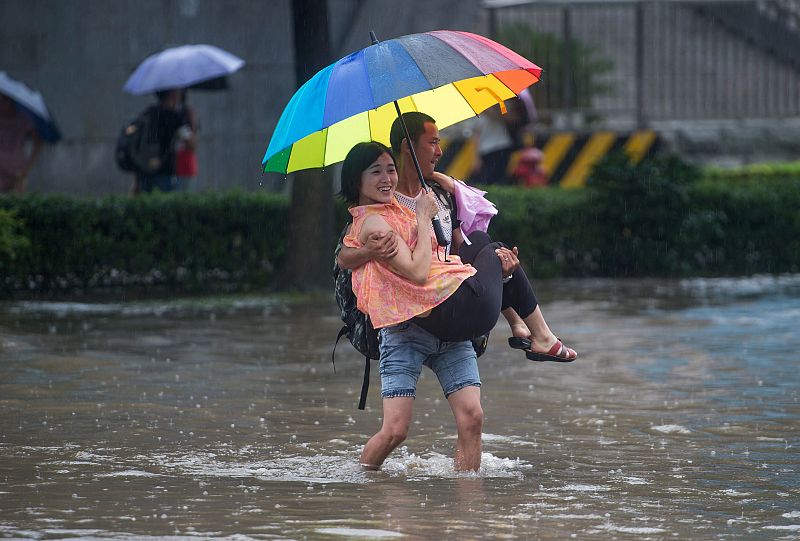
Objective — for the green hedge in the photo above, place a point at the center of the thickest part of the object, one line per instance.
(179, 240)
(658, 218)
(756, 172)
(759, 223)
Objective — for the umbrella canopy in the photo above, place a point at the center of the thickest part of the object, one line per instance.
(31, 103)
(181, 67)
(449, 75)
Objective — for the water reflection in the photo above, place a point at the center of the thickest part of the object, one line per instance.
(221, 418)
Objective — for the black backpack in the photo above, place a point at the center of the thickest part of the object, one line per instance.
(357, 326)
(138, 147)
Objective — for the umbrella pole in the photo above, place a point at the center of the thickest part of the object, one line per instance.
(411, 147)
(437, 225)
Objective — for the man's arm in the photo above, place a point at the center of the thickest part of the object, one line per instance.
(379, 245)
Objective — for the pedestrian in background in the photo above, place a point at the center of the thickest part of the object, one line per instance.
(173, 125)
(20, 143)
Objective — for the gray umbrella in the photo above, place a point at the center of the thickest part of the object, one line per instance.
(32, 103)
(182, 67)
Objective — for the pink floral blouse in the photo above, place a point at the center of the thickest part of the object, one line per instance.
(384, 295)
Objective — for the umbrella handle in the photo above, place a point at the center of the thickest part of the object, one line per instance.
(441, 240)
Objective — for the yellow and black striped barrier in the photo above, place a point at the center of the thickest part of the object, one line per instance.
(567, 157)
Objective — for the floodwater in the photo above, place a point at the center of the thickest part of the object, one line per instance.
(222, 418)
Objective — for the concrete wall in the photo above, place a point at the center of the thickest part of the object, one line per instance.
(79, 53)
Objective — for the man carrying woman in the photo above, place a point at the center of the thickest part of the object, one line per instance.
(422, 129)
(424, 323)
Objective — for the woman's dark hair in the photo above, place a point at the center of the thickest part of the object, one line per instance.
(358, 159)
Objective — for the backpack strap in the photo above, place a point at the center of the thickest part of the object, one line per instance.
(362, 401)
(342, 332)
(448, 199)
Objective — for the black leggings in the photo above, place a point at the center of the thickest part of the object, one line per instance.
(472, 310)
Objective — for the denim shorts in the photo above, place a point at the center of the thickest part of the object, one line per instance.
(406, 347)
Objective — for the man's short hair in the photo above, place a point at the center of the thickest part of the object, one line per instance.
(415, 122)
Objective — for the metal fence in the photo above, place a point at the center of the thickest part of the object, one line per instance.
(641, 62)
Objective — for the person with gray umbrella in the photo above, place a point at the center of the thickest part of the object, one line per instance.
(169, 126)
(25, 124)
(16, 130)
(161, 154)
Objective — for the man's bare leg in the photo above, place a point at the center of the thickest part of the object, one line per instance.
(394, 430)
(468, 413)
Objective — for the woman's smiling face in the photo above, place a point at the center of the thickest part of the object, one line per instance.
(378, 181)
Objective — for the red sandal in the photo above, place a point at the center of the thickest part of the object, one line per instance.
(559, 353)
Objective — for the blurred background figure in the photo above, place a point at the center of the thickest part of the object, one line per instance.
(529, 171)
(19, 146)
(168, 131)
(185, 147)
(499, 132)
(25, 123)
(527, 119)
(161, 147)
(494, 147)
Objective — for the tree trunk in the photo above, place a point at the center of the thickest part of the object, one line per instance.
(309, 257)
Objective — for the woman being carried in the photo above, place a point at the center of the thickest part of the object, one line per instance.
(453, 300)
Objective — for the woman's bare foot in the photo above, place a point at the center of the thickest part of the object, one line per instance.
(521, 331)
(556, 349)
(543, 344)
(518, 326)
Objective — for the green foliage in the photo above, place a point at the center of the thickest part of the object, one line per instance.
(656, 218)
(180, 240)
(757, 172)
(760, 222)
(12, 242)
(546, 50)
(645, 212)
(547, 225)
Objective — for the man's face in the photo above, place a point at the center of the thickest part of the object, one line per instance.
(428, 149)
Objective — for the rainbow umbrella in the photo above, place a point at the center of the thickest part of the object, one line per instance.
(447, 74)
